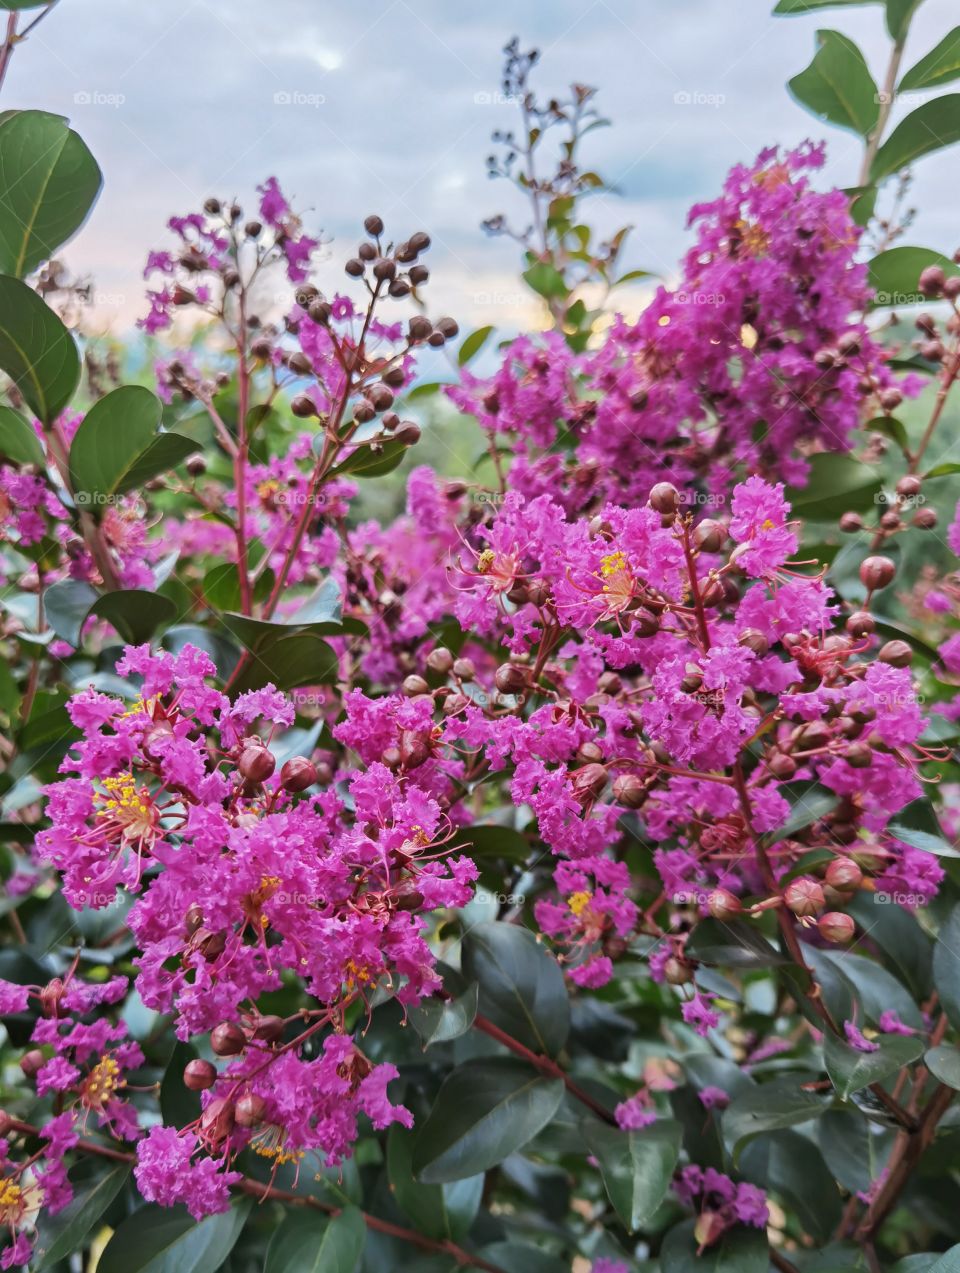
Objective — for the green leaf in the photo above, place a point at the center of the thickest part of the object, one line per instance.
(485, 1111)
(297, 659)
(790, 1164)
(809, 802)
(894, 275)
(49, 181)
(837, 483)
(512, 1257)
(18, 442)
(917, 824)
(855, 1148)
(636, 1167)
(782, 1103)
(946, 967)
(36, 350)
(850, 1069)
(178, 1105)
(733, 943)
(949, 1262)
(522, 989)
(60, 1235)
(66, 605)
(930, 127)
(308, 1242)
(837, 86)
(546, 280)
(809, 6)
(472, 345)
(168, 1240)
(947, 469)
(944, 1064)
(440, 1020)
(440, 1211)
(899, 16)
(118, 448)
(742, 1249)
(940, 66)
(366, 462)
(135, 613)
(889, 426)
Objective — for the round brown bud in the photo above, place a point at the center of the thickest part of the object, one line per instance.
(257, 763)
(199, 1075)
(860, 624)
(413, 749)
(464, 670)
(844, 874)
(876, 572)
(858, 756)
(664, 498)
(909, 486)
(850, 523)
(303, 406)
(414, 685)
(196, 465)
(781, 765)
(408, 434)
(319, 312)
(250, 1110)
(440, 661)
(836, 927)
(453, 704)
(227, 1039)
(32, 1061)
(676, 972)
(629, 790)
(896, 653)
(804, 896)
(373, 225)
(354, 267)
(419, 327)
(297, 774)
(932, 280)
(510, 679)
(419, 274)
(384, 269)
(890, 399)
(380, 396)
(925, 518)
(722, 904)
(709, 535)
(419, 242)
(753, 639)
(211, 206)
(590, 780)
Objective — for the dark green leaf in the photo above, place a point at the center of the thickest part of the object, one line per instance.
(837, 483)
(809, 6)
(66, 605)
(930, 127)
(440, 1211)
(168, 1240)
(48, 183)
(472, 345)
(895, 274)
(940, 66)
(514, 1258)
(367, 462)
(791, 1165)
(440, 1020)
(946, 967)
(546, 280)
(18, 442)
(855, 1149)
(919, 826)
(944, 1064)
(636, 1167)
(742, 1249)
(309, 1242)
(733, 943)
(117, 447)
(60, 1235)
(899, 16)
(36, 350)
(850, 1069)
(485, 1111)
(949, 1262)
(837, 86)
(889, 427)
(135, 613)
(297, 659)
(782, 1103)
(178, 1105)
(522, 989)
(808, 802)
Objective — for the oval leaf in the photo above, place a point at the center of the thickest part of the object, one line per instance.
(940, 66)
(837, 86)
(930, 127)
(522, 989)
(168, 1240)
(36, 350)
(18, 442)
(307, 1242)
(636, 1167)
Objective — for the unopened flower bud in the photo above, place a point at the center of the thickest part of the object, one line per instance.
(850, 523)
(781, 765)
(753, 639)
(709, 535)
(861, 624)
(31, 1062)
(836, 927)
(303, 407)
(676, 972)
(709, 1228)
(464, 670)
(297, 774)
(257, 763)
(227, 1039)
(217, 1120)
(925, 518)
(250, 1110)
(896, 653)
(932, 280)
(373, 225)
(268, 1029)
(413, 749)
(722, 904)
(199, 1075)
(664, 498)
(858, 756)
(629, 790)
(844, 874)
(510, 679)
(589, 781)
(804, 896)
(453, 704)
(440, 661)
(414, 685)
(876, 572)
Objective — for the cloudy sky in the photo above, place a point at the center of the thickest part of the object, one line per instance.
(388, 106)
